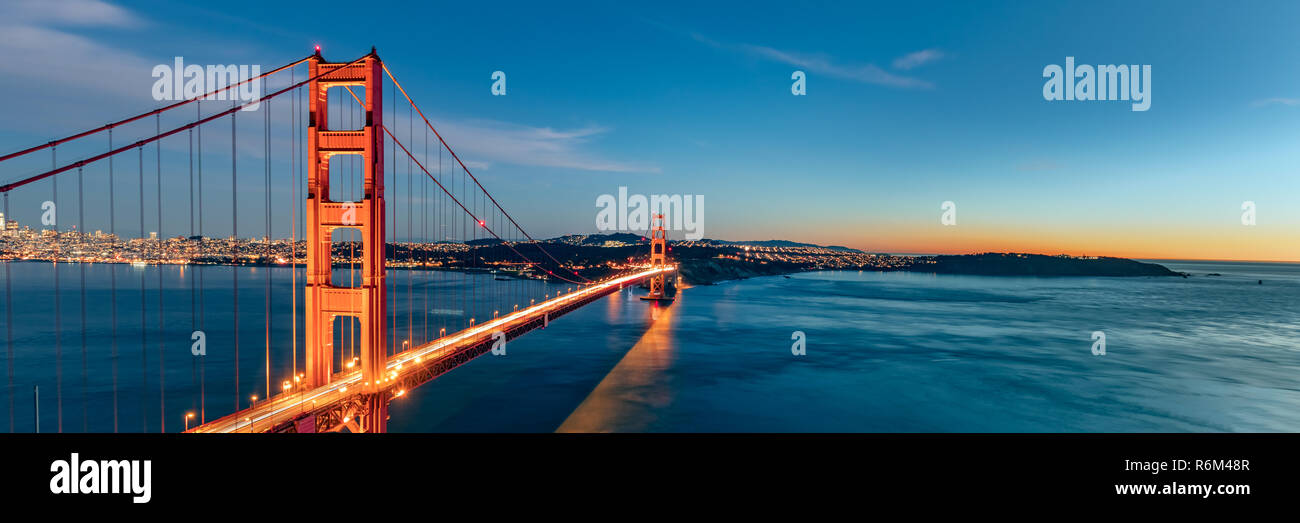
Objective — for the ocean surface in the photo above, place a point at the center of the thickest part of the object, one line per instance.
(885, 352)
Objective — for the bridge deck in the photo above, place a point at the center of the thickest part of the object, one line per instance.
(413, 367)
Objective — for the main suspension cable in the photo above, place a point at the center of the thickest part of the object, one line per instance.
(14, 185)
(158, 111)
(481, 223)
(470, 174)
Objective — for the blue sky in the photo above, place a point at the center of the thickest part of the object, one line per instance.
(907, 106)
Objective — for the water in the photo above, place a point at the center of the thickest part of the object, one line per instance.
(893, 352)
(156, 377)
(902, 352)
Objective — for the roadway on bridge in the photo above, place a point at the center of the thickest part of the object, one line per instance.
(285, 407)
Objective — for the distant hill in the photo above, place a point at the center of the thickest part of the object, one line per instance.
(598, 239)
(784, 243)
(1018, 264)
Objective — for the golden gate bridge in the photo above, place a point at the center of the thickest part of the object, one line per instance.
(345, 146)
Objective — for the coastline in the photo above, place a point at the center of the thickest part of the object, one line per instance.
(711, 271)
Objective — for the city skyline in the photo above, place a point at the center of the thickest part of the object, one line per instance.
(902, 113)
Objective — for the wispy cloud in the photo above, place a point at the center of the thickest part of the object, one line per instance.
(53, 59)
(822, 64)
(39, 50)
(917, 59)
(67, 12)
(1276, 101)
(49, 57)
(490, 141)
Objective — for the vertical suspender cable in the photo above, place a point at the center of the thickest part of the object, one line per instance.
(144, 356)
(437, 252)
(392, 282)
(424, 232)
(112, 274)
(293, 235)
(194, 315)
(464, 276)
(467, 301)
(234, 239)
(441, 234)
(480, 289)
(58, 306)
(266, 138)
(410, 195)
(162, 376)
(475, 284)
(9, 328)
(81, 263)
(203, 359)
(302, 170)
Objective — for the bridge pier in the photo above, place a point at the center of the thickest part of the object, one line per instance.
(375, 417)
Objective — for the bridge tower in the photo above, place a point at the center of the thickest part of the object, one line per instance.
(324, 300)
(658, 258)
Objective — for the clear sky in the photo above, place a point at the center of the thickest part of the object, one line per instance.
(907, 106)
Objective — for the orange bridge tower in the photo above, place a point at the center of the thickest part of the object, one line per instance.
(324, 300)
(658, 259)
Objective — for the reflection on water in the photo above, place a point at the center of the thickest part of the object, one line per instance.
(634, 389)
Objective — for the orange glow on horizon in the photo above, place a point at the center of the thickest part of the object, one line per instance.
(1166, 242)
